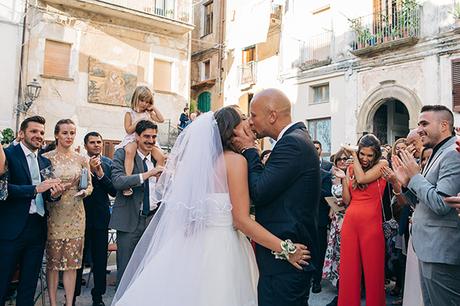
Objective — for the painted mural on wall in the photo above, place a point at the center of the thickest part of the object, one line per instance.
(108, 84)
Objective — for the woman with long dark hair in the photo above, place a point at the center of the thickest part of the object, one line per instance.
(363, 243)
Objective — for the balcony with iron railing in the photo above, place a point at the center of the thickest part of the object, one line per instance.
(247, 74)
(170, 16)
(380, 32)
(315, 51)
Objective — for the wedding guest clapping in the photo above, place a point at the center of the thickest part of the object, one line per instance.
(97, 216)
(66, 220)
(435, 224)
(22, 214)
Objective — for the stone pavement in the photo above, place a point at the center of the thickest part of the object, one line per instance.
(320, 299)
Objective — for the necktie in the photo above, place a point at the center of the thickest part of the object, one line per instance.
(146, 203)
(35, 175)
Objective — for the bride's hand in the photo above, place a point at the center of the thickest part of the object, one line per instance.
(300, 257)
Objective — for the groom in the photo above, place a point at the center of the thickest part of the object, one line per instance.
(285, 193)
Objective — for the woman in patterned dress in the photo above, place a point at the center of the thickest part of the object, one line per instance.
(3, 181)
(332, 258)
(66, 221)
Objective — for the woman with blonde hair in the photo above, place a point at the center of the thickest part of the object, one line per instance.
(66, 220)
(142, 108)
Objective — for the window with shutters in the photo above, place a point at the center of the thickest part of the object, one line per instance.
(208, 18)
(320, 94)
(162, 75)
(456, 85)
(206, 70)
(57, 59)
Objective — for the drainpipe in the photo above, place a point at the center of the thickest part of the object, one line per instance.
(20, 67)
(221, 43)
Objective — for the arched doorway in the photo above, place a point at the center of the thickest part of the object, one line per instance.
(391, 121)
(393, 97)
(204, 102)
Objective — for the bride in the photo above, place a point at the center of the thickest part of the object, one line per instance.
(194, 252)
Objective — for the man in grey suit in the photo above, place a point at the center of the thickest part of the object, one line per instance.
(435, 225)
(131, 215)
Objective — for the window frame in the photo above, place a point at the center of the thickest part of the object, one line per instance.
(208, 19)
(171, 73)
(325, 145)
(50, 74)
(312, 94)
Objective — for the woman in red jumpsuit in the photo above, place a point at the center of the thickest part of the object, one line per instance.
(362, 240)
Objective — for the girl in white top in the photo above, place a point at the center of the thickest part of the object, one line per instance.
(142, 108)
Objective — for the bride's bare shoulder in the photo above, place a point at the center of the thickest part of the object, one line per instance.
(234, 160)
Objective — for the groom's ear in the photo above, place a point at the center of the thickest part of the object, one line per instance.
(272, 117)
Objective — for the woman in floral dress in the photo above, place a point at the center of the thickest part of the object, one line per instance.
(3, 181)
(332, 257)
(66, 221)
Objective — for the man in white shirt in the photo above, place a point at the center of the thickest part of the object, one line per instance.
(22, 214)
(131, 215)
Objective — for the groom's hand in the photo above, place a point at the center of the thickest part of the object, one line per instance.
(244, 138)
(300, 257)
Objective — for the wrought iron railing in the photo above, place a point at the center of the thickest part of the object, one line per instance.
(315, 49)
(167, 134)
(380, 28)
(179, 10)
(248, 73)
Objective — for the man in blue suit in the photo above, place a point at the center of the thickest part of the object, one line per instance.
(97, 216)
(285, 193)
(22, 214)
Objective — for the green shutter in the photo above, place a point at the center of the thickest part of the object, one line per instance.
(204, 102)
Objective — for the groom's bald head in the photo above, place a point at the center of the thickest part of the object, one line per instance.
(270, 112)
(273, 100)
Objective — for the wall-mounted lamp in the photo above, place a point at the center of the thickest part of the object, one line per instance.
(30, 95)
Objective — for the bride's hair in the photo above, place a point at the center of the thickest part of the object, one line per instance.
(227, 119)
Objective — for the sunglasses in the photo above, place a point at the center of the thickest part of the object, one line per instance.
(342, 159)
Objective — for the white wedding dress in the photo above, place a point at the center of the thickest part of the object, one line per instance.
(190, 254)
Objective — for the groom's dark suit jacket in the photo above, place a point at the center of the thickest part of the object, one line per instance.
(286, 195)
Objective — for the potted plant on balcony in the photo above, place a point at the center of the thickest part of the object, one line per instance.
(408, 18)
(363, 34)
(456, 14)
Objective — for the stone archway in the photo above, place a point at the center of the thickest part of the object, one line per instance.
(379, 96)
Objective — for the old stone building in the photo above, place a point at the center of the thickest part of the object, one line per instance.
(350, 69)
(234, 50)
(372, 68)
(207, 71)
(11, 29)
(90, 55)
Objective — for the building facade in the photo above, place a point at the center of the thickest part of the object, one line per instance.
(90, 55)
(11, 29)
(207, 71)
(354, 69)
